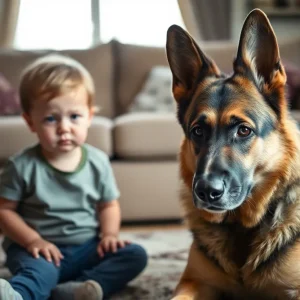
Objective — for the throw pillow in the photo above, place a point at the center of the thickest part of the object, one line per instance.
(9, 99)
(156, 94)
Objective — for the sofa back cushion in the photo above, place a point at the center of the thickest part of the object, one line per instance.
(133, 64)
(98, 61)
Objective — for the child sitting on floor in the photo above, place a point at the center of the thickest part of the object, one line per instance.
(58, 199)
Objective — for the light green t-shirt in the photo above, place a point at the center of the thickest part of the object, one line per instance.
(60, 206)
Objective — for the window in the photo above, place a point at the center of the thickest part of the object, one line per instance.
(68, 24)
(54, 24)
(138, 21)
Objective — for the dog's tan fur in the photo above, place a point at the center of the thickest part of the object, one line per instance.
(225, 257)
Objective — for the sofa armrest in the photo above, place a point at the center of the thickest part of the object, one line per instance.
(100, 134)
(14, 136)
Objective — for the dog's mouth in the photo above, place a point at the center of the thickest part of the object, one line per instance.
(214, 209)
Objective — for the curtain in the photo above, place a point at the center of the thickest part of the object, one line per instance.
(207, 19)
(9, 11)
(189, 19)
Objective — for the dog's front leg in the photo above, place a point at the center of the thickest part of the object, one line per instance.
(186, 290)
(198, 274)
(191, 290)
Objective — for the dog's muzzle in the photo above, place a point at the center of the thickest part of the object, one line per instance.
(214, 193)
(209, 191)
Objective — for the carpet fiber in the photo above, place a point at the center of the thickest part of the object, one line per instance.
(168, 251)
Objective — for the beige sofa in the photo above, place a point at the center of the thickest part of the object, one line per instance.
(143, 146)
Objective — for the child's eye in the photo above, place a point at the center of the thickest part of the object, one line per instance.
(74, 116)
(49, 119)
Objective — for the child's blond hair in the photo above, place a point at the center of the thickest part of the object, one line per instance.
(51, 76)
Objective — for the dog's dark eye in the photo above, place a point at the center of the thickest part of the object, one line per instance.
(197, 131)
(244, 131)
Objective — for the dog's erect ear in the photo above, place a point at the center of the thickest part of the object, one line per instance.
(187, 62)
(258, 52)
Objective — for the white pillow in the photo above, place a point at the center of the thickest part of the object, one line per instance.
(156, 94)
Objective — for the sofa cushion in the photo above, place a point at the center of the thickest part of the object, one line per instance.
(296, 115)
(98, 60)
(147, 135)
(134, 62)
(15, 135)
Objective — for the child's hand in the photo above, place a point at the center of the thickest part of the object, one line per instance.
(110, 243)
(47, 249)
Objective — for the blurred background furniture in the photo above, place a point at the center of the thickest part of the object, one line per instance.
(142, 145)
(122, 44)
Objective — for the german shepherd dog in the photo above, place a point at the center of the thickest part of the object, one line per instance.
(240, 168)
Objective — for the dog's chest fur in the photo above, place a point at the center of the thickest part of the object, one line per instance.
(227, 245)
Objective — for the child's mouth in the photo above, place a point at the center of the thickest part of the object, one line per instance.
(65, 142)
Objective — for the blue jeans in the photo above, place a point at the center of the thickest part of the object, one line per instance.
(35, 278)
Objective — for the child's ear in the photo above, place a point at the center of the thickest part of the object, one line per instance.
(28, 121)
(91, 115)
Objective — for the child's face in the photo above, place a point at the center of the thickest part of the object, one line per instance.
(62, 123)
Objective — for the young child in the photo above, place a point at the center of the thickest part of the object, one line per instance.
(58, 199)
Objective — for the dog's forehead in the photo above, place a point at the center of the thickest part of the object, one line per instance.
(219, 100)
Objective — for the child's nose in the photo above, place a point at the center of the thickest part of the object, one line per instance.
(63, 126)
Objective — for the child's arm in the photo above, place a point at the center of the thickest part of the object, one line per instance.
(14, 227)
(110, 220)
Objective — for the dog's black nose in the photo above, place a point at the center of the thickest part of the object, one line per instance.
(209, 190)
